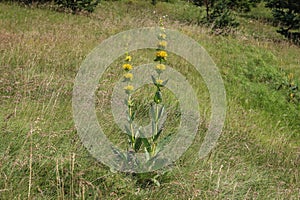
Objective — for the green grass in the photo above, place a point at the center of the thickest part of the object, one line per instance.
(257, 156)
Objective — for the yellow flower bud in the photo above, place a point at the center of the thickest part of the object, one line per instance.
(128, 88)
(161, 54)
(127, 67)
(128, 58)
(162, 36)
(160, 67)
(162, 44)
(159, 81)
(128, 76)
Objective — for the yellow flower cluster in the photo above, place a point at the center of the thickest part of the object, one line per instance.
(162, 36)
(128, 58)
(161, 57)
(127, 67)
(128, 88)
(162, 44)
(161, 54)
(159, 81)
(291, 76)
(128, 76)
(161, 67)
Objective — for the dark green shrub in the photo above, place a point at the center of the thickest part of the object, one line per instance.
(242, 5)
(218, 15)
(78, 5)
(222, 19)
(73, 5)
(154, 2)
(287, 15)
(29, 2)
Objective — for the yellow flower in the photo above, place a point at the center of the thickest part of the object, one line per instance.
(292, 84)
(159, 81)
(162, 36)
(128, 88)
(128, 58)
(130, 103)
(291, 76)
(160, 67)
(128, 76)
(127, 67)
(161, 54)
(162, 43)
(161, 21)
(292, 95)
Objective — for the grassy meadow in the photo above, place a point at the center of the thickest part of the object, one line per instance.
(41, 155)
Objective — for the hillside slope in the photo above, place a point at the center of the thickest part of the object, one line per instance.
(41, 156)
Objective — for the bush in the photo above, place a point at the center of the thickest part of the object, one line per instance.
(287, 14)
(222, 19)
(242, 5)
(78, 5)
(73, 5)
(219, 15)
(29, 2)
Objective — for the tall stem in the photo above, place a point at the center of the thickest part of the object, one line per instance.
(155, 123)
(131, 121)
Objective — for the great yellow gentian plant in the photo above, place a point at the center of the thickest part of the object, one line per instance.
(136, 139)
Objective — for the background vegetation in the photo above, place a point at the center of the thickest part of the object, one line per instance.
(41, 156)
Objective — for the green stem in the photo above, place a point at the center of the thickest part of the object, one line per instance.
(155, 130)
(155, 125)
(130, 122)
